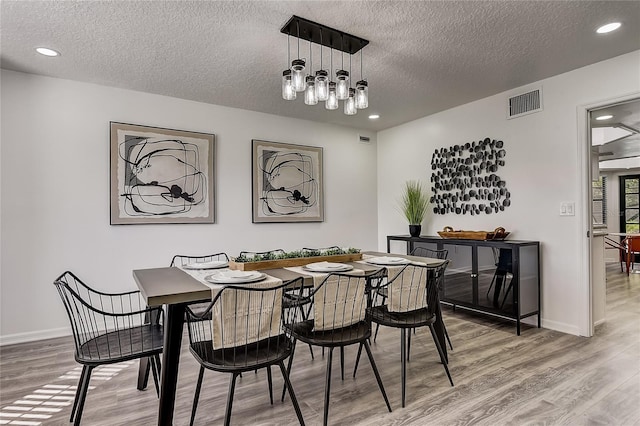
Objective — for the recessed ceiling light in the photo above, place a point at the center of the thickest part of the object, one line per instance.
(47, 52)
(608, 28)
(604, 117)
(374, 116)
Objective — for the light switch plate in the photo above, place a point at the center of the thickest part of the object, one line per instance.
(567, 208)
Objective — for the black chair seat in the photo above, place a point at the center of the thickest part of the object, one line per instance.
(122, 345)
(90, 312)
(344, 336)
(220, 338)
(250, 357)
(411, 319)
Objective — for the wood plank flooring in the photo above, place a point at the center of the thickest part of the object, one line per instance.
(540, 378)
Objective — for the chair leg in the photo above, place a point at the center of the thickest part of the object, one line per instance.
(403, 374)
(507, 293)
(327, 387)
(493, 280)
(156, 372)
(375, 336)
(443, 359)
(269, 380)
(158, 364)
(446, 334)
(232, 388)
(83, 396)
(294, 400)
(305, 316)
(196, 397)
(377, 374)
(355, 368)
(408, 343)
(342, 362)
(75, 400)
(289, 364)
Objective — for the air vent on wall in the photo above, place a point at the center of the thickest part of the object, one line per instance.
(525, 103)
(364, 139)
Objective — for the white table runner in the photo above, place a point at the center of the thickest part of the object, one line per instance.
(240, 318)
(332, 295)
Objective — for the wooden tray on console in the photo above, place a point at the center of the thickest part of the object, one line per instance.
(497, 234)
(297, 261)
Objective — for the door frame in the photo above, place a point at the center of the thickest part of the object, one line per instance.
(585, 302)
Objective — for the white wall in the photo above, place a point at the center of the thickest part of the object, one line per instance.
(55, 192)
(542, 170)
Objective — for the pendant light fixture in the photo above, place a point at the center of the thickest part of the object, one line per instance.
(320, 87)
(322, 78)
(362, 90)
(350, 103)
(310, 97)
(297, 69)
(332, 98)
(342, 78)
(288, 92)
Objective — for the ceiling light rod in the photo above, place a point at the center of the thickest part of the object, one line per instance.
(313, 32)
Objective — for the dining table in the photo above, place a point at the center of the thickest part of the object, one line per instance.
(176, 289)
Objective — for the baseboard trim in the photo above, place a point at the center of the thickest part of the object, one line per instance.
(597, 323)
(560, 326)
(32, 336)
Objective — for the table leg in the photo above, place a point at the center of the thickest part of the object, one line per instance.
(438, 326)
(143, 373)
(170, 360)
(500, 279)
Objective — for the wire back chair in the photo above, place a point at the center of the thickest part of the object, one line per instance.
(504, 271)
(338, 318)
(434, 254)
(180, 260)
(412, 302)
(241, 330)
(108, 328)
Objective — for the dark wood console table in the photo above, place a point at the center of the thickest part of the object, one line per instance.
(497, 278)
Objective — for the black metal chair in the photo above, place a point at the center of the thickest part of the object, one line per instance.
(339, 307)
(434, 254)
(412, 302)
(504, 270)
(181, 260)
(382, 292)
(241, 330)
(107, 329)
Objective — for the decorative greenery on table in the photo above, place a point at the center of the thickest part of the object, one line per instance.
(280, 254)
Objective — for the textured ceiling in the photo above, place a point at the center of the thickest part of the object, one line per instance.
(423, 56)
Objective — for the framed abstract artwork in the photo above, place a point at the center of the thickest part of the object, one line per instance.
(287, 183)
(161, 175)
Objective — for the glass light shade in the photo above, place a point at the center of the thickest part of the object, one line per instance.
(322, 85)
(362, 94)
(310, 97)
(288, 94)
(297, 74)
(342, 88)
(332, 100)
(350, 103)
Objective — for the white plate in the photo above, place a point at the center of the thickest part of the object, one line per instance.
(327, 267)
(388, 261)
(234, 277)
(214, 264)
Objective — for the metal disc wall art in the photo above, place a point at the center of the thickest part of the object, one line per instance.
(464, 178)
